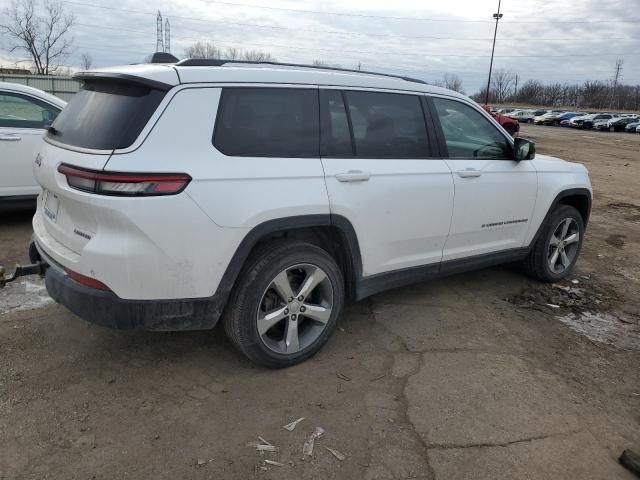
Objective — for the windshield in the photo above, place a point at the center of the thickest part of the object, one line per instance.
(105, 115)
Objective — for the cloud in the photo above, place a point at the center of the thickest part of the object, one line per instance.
(125, 32)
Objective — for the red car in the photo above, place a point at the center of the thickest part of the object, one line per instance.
(509, 124)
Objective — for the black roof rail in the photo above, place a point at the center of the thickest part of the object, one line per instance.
(205, 62)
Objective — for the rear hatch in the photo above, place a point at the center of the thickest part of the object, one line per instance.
(107, 114)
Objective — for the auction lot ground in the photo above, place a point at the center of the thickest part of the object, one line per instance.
(471, 377)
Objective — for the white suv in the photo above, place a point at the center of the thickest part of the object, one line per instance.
(25, 113)
(268, 194)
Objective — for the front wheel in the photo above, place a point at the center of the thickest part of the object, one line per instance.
(286, 303)
(554, 254)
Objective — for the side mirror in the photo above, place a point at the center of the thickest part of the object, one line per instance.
(524, 149)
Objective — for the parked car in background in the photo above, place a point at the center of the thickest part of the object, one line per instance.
(616, 124)
(509, 124)
(522, 116)
(638, 129)
(540, 119)
(25, 113)
(504, 111)
(631, 127)
(587, 121)
(564, 119)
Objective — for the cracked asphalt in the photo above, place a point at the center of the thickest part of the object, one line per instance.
(440, 380)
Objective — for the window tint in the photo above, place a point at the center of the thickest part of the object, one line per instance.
(336, 138)
(21, 111)
(104, 116)
(468, 133)
(387, 125)
(268, 122)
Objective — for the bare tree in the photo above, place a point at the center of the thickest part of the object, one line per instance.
(257, 56)
(319, 63)
(44, 37)
(209, 50)
(502, 84)
(86, 61)
(203, 50)
(452, 82)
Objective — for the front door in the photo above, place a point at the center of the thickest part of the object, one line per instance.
(382, 177)
(494, 194)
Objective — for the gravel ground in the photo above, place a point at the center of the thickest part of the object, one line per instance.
(470, 377)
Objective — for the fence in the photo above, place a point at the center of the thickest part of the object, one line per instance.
(63, 87)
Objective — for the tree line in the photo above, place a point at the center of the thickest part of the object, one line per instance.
(588, 94)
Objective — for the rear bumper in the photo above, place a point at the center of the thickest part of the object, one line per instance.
(108, 310)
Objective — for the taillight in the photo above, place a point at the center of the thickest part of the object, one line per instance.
(87, 281)
(124, 184)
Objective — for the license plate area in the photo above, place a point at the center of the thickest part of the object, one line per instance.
(51, 206)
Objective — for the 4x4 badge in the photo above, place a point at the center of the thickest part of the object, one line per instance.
(38, 159)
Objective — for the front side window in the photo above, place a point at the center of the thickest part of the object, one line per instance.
(21, 111)
(268, 122)
(468, 134)
(387, 125)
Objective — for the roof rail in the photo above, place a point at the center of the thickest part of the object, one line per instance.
(205, 62)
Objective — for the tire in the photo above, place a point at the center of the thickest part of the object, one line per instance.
(258, 293)
(538, 262)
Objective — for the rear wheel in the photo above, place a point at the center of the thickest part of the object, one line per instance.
(286, 304)
(555, 252)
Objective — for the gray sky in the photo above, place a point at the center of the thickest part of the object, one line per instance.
(424, 39)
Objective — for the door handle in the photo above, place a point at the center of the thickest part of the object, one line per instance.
(10, 138)
(469, 173)
(353, 176)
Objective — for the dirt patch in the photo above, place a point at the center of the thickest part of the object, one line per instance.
(616, 240)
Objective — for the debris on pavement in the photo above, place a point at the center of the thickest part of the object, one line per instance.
(552, 305)
(340, 456)
(292, 426)
(274, 463)
(631, 461)
(307, 448)
(262, 446)
(342, 376)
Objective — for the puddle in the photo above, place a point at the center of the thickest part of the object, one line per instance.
(23, 295)
(619, 331)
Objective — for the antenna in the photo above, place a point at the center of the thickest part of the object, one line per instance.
(167, 36)
(159, 45)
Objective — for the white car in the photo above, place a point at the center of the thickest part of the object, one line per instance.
(269, 194)
(25, 113)
(523, 116)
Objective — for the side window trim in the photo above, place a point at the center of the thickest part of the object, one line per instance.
(437, 145)
(345, 104)
(441, 138)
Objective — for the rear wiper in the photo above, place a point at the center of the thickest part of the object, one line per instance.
(52, 130)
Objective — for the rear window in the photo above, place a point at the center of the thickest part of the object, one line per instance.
(268, 122)
(106, 115)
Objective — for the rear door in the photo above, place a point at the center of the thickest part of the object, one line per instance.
(381, 175)
(23, 119)
(494, 194)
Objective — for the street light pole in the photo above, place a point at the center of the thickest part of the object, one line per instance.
(497, 16)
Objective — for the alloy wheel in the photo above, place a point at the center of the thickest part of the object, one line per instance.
(563, 246)
(295, 308)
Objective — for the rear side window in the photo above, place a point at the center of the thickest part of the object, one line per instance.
(334, 131)
(268, 122)
(387, 125)
(22, 111)
(468, 133)
(106, 115)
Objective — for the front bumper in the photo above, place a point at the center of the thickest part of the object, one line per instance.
(108, 310)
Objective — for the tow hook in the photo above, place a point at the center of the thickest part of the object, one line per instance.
(38, 268)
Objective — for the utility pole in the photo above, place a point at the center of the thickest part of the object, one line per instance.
(497, 16)
(515, 89)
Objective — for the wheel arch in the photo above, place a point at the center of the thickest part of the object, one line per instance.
(333, 233)
(579, 198)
